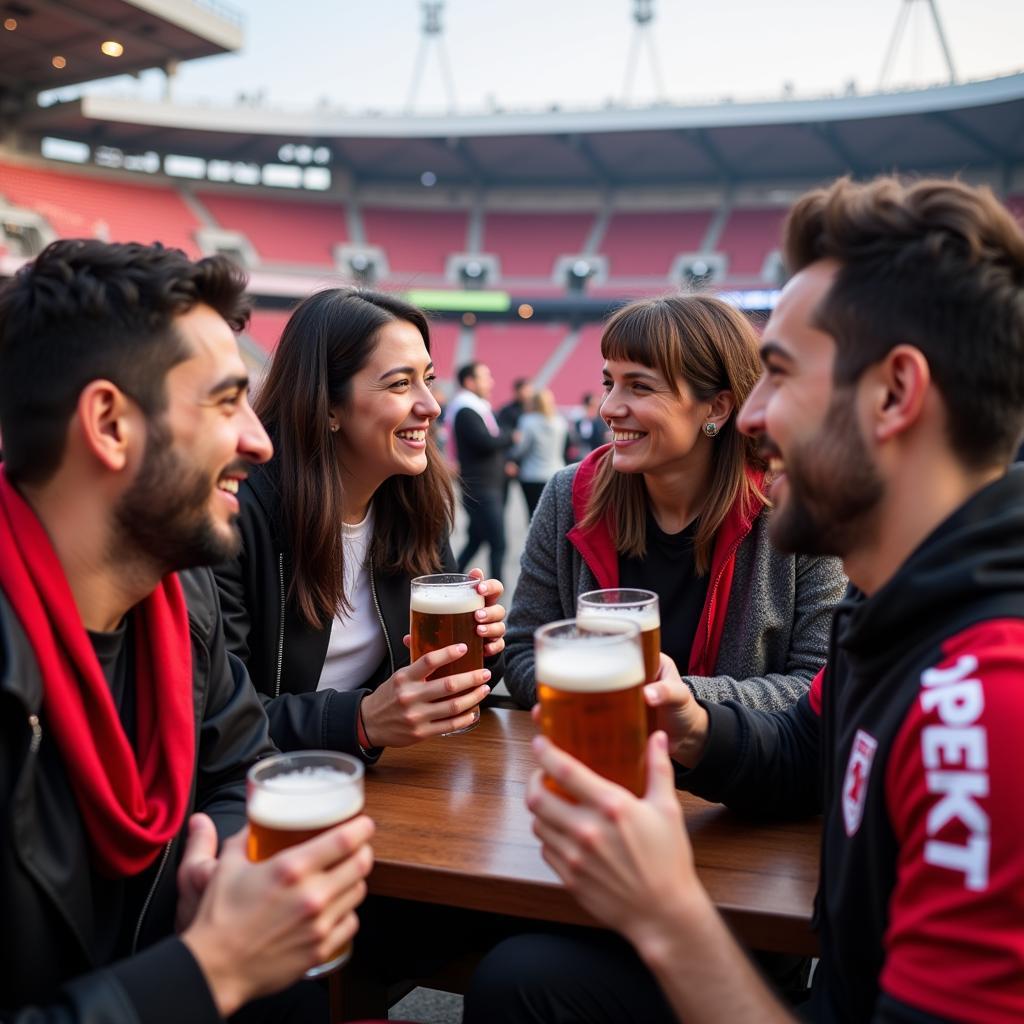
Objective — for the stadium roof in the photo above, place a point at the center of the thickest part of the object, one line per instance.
(949, 129)
(47, 44)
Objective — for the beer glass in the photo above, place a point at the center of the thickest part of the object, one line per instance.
(590, 680)
(443, 611)
(642, 607)
(295, 796)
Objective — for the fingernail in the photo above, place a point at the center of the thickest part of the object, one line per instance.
(481, 615)
(486, 674)
(462, 648)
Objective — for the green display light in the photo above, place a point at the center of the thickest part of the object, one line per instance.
(460, 302)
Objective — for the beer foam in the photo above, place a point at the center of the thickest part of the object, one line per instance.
(307, 798)
(585, 668)
(444, 600)
(647, 618)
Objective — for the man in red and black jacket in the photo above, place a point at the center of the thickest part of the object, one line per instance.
(891, 403)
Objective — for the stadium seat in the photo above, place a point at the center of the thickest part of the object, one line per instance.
(527, 244)
(89, 206)
(645, 244)
(749, 236)
(282, 231)
(416, 242)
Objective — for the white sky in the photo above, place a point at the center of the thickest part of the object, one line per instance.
(360, 54)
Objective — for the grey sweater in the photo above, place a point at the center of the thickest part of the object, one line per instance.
(776, 628)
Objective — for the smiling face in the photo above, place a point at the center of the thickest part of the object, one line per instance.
(384, 423)
(826, 484)
(181, 508)
(656, 424)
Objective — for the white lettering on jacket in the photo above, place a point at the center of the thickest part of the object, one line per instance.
(955, 756)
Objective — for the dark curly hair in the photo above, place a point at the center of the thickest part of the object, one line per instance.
(934, 264)
(84, 310)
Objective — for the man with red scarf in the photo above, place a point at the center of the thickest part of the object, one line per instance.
(126, 730)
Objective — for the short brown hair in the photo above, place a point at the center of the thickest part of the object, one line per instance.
(935, 264)
(713, 347)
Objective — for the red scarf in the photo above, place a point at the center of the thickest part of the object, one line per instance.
(130, 808)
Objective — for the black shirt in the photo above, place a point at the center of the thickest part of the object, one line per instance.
(114, 899)
(668, 570)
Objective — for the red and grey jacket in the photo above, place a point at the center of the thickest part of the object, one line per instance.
(909, 743)
(764, 628)
(597, 547)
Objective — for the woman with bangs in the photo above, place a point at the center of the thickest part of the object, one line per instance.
(355, 503)
(676, 504)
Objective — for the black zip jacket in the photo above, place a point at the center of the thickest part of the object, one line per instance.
(284, 654)
(48, 970)
(908, 742)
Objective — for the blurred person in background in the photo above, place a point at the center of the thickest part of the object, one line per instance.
(539, 452)
(590, 431)
(481, 446)
(508, 417)
(356, 502)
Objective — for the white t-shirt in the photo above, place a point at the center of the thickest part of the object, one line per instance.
(357, 645)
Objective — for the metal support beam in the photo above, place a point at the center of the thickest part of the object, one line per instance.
(948, 121)
(827, 134)
(699, 136)
(580, 145)
(476, 171)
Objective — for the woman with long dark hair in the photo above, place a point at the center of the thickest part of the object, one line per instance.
(355, 503)
(675, 504)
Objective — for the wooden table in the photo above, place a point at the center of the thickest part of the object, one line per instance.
(453, 829)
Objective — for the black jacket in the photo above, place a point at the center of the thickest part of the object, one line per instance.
(481, 454)
(919, 912)
(286, 655)
(48, 971)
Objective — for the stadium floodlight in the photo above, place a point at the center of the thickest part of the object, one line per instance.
(111, 48)
(580, 271)
(697, 270)
(10, 24)
(321, 155)
(473, 274)
(428, 179)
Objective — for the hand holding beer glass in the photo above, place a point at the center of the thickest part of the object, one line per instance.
(295, 796)
(443, 611)
(590, 681)
(640, 606)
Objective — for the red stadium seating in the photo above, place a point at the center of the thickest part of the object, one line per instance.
(443, 338)
(581, 372)
(644, 244)
(282, 231)
(266, 325)
(748, 237)
(515, 350)
(528, 244)
(84, 206)
(415, 241)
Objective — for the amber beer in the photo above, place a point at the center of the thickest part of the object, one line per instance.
(443, 611)
(590, 681)
(295, 796)
(640, 606)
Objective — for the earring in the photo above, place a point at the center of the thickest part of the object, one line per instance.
(710, 429)
(334, 428)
